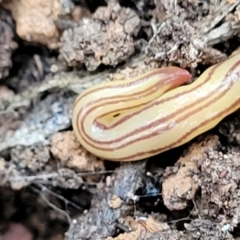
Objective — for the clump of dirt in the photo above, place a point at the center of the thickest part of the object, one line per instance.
(35, 19)
(105, 38)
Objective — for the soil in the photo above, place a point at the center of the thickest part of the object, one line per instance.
(54, 189)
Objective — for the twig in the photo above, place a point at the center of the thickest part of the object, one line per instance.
(94, 173)
(52, 205)
(67, 202)
(33, 178)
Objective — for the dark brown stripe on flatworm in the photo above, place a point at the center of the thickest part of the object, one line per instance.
(137, 81)
(188, 114)
(144, 127)
(180, 141)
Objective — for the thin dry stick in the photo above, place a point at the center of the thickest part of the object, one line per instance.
(188, 217)
(67, 202)
(52, 205)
